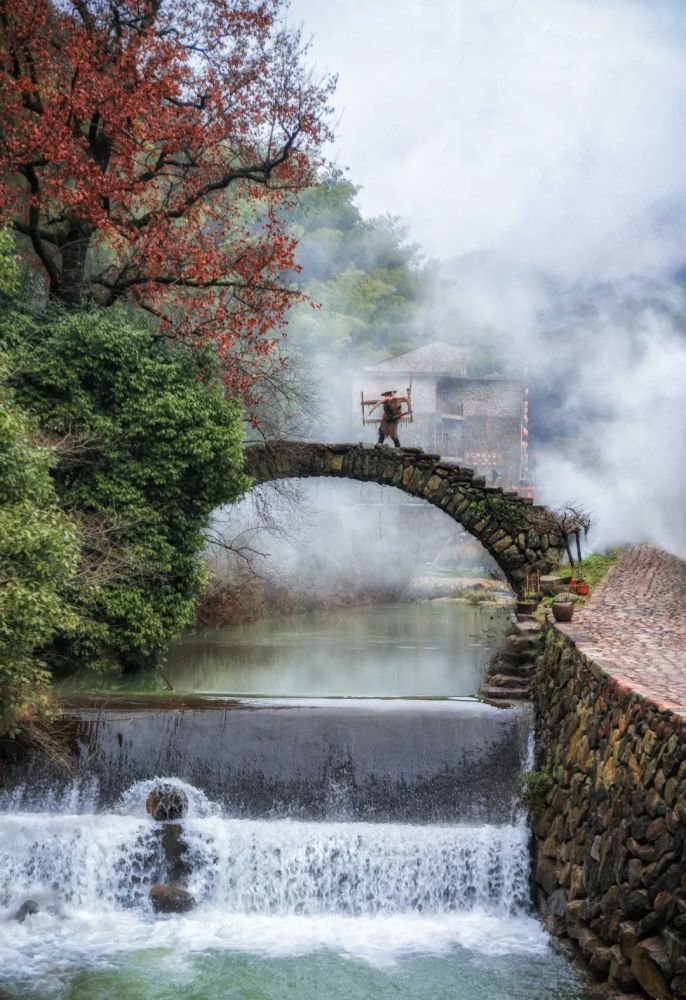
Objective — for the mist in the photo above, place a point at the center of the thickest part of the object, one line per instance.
(336, 542)
(551, 132)
(536, 151)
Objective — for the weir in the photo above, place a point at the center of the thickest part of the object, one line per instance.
(382, 759)
(400, 905)
(106, 862)
(345, 847)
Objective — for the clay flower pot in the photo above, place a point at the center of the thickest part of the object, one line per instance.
(582, 588)
(526, 607)
(563, 611)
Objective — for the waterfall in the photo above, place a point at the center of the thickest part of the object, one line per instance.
(382, 896)
(355, 869)
(372, 891)
(106, 862)
(420, 761)
(374, 831)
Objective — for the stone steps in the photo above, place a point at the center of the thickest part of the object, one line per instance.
(510, 670)
(505, 695)
(508, 681)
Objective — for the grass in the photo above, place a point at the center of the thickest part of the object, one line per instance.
(477, 595)
(593, 568)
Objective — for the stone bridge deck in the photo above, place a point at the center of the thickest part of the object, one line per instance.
(634, 626)
(522, 537)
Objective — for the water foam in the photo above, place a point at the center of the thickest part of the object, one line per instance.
(85, 937)
(132, 801)
(258, 866)
(373, 892)
(76, 796)
(100, 862)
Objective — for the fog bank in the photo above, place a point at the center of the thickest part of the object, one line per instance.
(537, 149)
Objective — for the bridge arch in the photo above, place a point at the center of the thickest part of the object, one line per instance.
(521, 536)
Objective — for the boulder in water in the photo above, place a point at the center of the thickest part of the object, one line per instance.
(174, 848)
(170, 897)
(167, 802)
(26, 909)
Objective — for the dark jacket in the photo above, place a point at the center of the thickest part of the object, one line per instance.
(392, 410)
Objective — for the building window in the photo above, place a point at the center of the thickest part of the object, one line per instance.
(446, 404)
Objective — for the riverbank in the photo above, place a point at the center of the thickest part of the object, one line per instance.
(610, 703)
(226, 605)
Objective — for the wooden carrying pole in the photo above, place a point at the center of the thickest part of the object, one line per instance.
(370, 404)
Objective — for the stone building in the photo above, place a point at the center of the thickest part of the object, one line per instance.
(476, 420)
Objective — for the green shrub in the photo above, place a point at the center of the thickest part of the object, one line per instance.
(477, 595)
(565, 597)
(534, 790)
(38, 556)
(148, 446)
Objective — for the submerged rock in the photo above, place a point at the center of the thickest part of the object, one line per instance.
(174, 848)
(26, 909)
(167, 802)
(170, 897)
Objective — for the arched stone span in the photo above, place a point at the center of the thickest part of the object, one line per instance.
(521, 536)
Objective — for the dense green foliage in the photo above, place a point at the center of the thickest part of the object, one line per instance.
(366, 276)
(38, 553)
(38, 547)
(148, 446)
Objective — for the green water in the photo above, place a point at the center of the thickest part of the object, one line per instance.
(90, 951)
(460, 975)
(422, 649)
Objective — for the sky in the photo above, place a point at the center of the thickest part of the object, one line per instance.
(530, 146)
(547, 129)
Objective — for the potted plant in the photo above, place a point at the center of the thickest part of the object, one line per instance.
(529, 600)
(582, 588)
(563, 607)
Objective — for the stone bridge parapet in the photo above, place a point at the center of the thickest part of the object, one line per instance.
(521, 536)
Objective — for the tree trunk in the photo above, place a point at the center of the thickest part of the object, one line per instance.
(72, 286)
(569, 550)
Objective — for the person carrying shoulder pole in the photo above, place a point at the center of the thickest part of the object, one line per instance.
(392, 413)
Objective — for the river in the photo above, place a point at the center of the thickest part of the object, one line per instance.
(338, 843)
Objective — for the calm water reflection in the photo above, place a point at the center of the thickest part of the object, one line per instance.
(422, 649)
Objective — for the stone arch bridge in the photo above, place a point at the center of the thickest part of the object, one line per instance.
(521, 536)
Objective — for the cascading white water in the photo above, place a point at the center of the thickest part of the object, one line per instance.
(108, 861)
(357, 868)
(97, 862)
(389, 896)
(374, 890)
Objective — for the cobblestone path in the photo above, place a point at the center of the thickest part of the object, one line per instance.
(634, 625)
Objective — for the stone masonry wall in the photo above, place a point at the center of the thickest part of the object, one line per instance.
(522, 537)
(608, 804)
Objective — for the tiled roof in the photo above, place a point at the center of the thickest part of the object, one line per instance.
(436, 358)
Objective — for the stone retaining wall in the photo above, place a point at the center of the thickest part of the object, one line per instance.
(608, 803)
(522, 537)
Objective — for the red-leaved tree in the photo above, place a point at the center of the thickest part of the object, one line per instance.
(145, 149)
